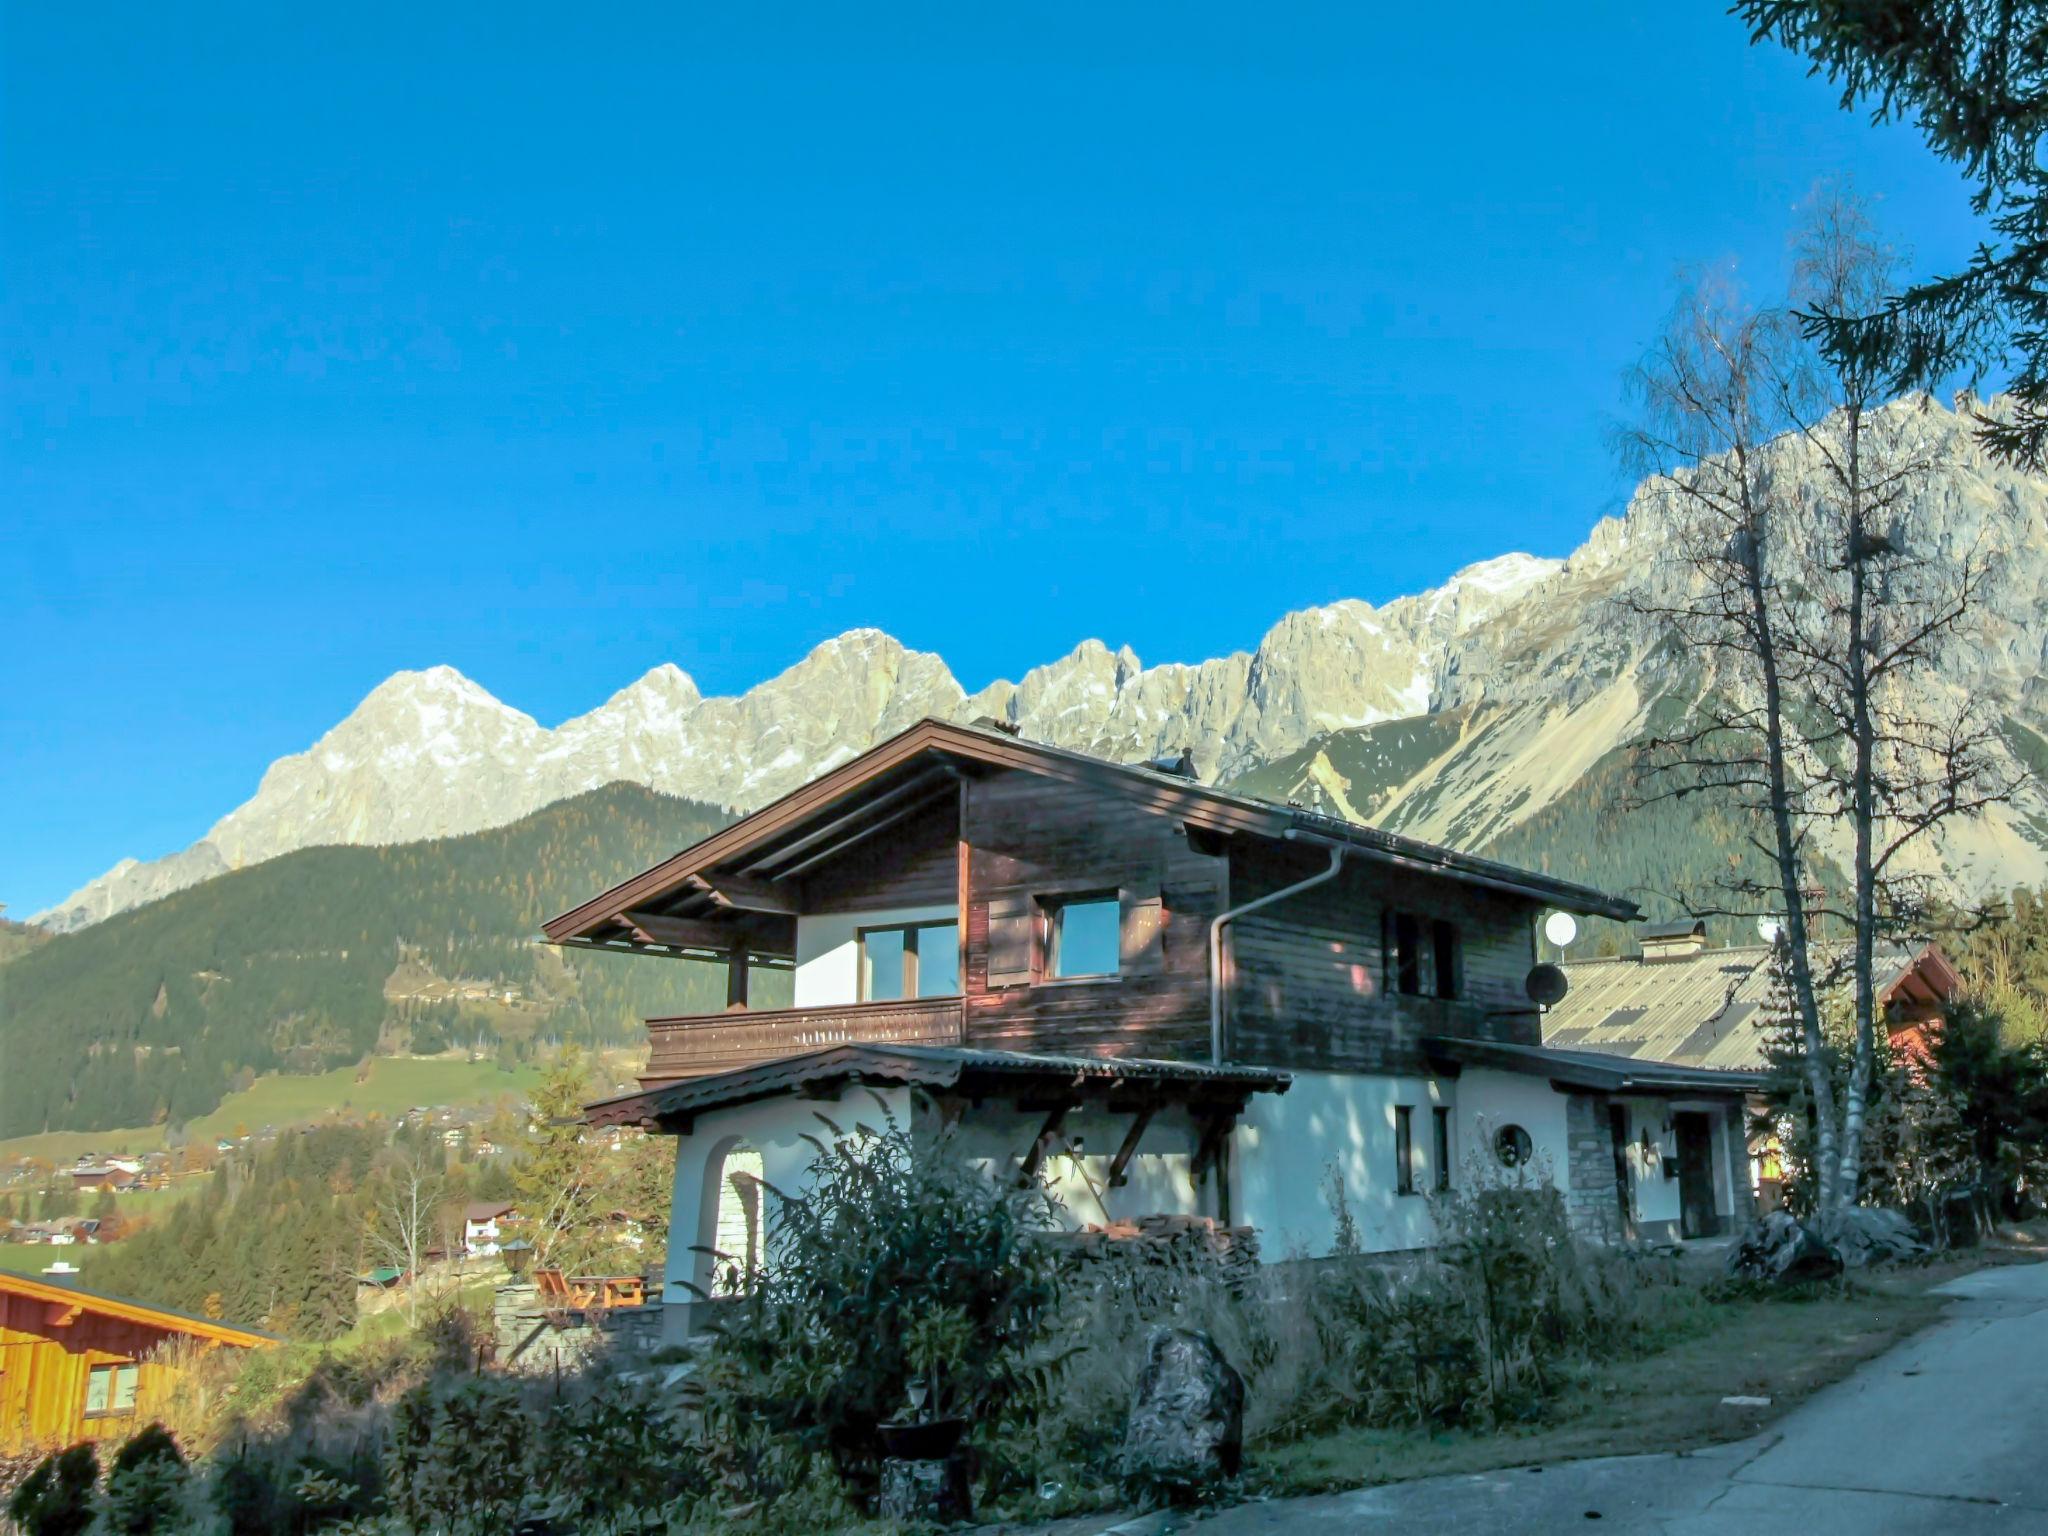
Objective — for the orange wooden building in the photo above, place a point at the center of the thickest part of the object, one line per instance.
(79, 1366)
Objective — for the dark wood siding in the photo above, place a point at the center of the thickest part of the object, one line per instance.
(916, 864)
(1309, 985)
(1031, 837)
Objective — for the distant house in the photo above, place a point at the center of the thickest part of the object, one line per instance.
(76, 1365)
(1678, 1000)
(480, 1218)
(87, 1177)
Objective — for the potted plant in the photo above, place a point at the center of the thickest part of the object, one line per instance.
(933, 1427)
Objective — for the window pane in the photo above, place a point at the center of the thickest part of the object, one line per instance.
(1404, 1149)
(1090, 940)
(97, 1383)
(1407, 963)
(1445, 943)
(938, 960)
(124, 1388)
(882, 964)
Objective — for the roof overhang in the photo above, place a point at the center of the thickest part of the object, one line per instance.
(945, 1069)
(73, 1300)
(735, 889)
(1594, 1071)
(1929, 978)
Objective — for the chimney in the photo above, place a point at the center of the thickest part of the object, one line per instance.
(1672, 941)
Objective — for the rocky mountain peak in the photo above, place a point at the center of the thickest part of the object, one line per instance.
(1520, 671)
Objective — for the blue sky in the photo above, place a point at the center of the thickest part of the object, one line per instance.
(345, 339)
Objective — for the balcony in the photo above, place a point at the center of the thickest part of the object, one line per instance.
(699, 1044)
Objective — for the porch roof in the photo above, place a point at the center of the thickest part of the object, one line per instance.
(1595, 1070)
(670, 1107)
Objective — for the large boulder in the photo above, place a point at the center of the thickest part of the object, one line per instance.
(1186, 1430)
(1864, 1235)
(1780, 1248)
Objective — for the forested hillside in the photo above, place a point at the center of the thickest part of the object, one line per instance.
(315, 959)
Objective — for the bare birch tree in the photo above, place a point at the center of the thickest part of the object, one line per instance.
(403, 1221)
(1827, 614)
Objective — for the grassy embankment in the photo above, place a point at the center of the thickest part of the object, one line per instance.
(1782, 1346)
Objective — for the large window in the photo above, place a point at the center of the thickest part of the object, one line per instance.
(109, 1390)
(909, 960)
(1084, 938)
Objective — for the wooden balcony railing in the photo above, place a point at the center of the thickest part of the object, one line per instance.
(722, 1042)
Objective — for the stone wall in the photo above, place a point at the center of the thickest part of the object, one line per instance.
(1590, 1198)
(534, 1340)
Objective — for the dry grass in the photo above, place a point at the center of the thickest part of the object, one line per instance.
(1750, 1346)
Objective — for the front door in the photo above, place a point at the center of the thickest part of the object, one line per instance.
(1617, 1136)
(1695, 1173)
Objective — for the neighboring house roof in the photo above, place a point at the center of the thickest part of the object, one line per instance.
(932, 1066)
(1591, 1069)
(723, 889)
(64, 1294)
(1709, 1009)
(486, 1210)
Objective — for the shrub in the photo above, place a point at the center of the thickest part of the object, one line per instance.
(893, 1265)
(146, 1485)
(56, 1500)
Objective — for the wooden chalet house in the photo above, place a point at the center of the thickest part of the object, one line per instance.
(76, 1365)
(1169, 998)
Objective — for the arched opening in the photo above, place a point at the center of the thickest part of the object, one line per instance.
(733, 1202)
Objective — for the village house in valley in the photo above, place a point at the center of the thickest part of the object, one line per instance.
(1168, 998)
(75, 1365)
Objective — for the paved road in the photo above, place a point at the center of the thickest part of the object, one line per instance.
(1946, 1433)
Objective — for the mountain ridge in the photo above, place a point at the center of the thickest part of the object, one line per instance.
(1524, 674)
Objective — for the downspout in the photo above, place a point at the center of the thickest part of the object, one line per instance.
(1216, 923)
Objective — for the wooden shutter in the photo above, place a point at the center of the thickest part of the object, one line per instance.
(1011, 941)
(1144, 936)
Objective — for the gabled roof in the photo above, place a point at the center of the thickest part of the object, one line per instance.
(724, 889)
(1593, 1070)
(931, 1066)
(1708, 1009)
(62, 1294)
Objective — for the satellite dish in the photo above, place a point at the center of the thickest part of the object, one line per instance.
(1560, 928)
(1546, 986)
(1768, 929)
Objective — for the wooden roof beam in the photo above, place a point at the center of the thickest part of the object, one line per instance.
(833, 851)
(696, 933)
(909, 789)
(744, 894)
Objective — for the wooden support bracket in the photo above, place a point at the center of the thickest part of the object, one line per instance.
(1042, 1144)
(1214, 1130)
(1119, 1167)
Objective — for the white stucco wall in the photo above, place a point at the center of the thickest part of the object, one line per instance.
(996, 1137)
(828, 951)
(1488, 1100)
(1288, 1143)
(774, 1128)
